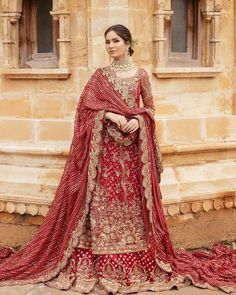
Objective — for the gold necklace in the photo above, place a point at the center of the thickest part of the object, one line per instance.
(122, 65)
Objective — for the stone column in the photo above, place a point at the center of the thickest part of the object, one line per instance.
(11, 13)
(61, 14)
(211, 16)
(161, 14)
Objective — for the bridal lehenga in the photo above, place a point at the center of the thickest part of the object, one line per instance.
(105, 228)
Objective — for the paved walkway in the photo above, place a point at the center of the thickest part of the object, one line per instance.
(41, 289)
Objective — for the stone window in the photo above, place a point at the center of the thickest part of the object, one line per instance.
(38, 35)
(186, 38)
(184, 29)
(36, 39)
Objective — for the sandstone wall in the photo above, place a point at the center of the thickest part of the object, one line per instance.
(195, 118)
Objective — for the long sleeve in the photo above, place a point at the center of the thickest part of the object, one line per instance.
(148, 103)
(146, 92)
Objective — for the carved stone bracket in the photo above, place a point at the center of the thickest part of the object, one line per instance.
(225, 201)
(24, 208)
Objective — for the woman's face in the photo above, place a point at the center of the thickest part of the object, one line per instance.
(116, 46)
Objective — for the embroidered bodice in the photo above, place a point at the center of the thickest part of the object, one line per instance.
(130, 87)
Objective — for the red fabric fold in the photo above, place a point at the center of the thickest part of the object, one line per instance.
(46, 254)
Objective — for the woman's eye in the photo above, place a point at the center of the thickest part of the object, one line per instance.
(116, 41)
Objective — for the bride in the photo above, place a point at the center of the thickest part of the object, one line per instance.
(105, 228)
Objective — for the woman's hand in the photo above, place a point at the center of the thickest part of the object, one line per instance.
(131, 126)
(116, 118)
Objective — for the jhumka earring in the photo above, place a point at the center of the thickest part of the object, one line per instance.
(128, 53)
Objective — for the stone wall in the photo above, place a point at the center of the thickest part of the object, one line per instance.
(195, 115)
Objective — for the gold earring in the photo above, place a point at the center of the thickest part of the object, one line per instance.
(128, 53)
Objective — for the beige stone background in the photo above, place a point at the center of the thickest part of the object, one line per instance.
(195, 117)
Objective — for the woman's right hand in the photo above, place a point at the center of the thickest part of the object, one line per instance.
(116, 118)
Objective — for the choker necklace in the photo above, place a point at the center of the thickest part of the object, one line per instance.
(122, 65)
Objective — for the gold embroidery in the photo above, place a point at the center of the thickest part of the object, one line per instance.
(95, 148)
(146, 180)
(146, 93)
(158, 156)
(120, 137)
(118, 226)
(126, 87)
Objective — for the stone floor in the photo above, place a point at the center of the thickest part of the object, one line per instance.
(41, 289)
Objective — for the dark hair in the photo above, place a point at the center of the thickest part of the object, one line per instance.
(124, 33)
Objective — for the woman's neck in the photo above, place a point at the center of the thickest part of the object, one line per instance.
(122, 65)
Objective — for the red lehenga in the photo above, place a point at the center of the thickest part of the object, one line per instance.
(105, 228)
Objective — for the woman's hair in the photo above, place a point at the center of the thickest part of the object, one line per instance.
(124, 33)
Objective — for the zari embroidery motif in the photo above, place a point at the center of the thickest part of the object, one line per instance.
(86, 272)
(146, 93)
(127, 87)
(116, 224)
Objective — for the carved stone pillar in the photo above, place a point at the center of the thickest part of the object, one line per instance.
(162, 13)
(11, 13)
(211, 17)
(61, 14)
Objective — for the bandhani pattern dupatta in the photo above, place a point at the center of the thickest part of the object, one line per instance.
(47, 253)
(42, 258)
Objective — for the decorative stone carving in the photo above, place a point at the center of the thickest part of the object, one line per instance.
(172, 209)
(211, 31)
(161, 14)
(23, 208)
(12, 5)
(12, 10)
(61, 14)
(211, 26)
(11, 13)
(196, 206)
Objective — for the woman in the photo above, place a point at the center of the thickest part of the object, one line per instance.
(106, 229)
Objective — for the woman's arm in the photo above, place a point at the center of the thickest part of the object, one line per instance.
(146, 92)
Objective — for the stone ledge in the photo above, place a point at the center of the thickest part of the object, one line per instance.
(198, 147)
(32, 149)
(8, 148)
(24, 205)
(186, 72)
(38, 206)
(203, 203)
(36, 73)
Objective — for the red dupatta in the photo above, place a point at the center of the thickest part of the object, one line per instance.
(47, 253)
(42, 258)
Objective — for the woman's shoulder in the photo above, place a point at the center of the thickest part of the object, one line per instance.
(102, 70)
(143, 73)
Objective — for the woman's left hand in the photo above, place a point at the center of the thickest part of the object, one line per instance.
(131, 126)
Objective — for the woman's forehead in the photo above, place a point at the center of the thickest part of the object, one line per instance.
(112, 35)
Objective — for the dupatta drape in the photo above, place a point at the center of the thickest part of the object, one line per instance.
(47, 253)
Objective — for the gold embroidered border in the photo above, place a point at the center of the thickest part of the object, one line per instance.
(127, 249)
(94, 153)
(120, 86)
(146, 166)
(147, 187)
